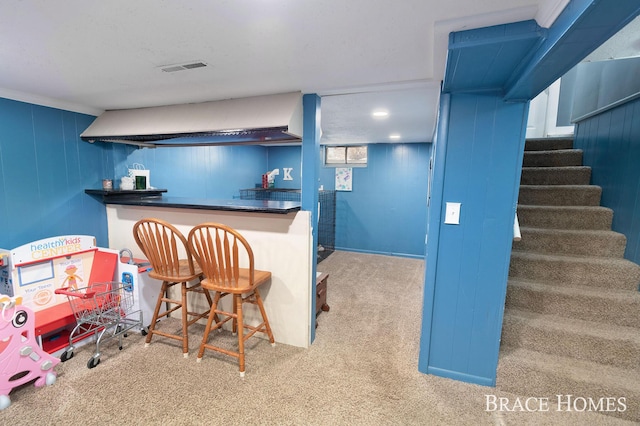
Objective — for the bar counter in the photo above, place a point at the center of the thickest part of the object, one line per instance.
(279, 233)
(154, 198)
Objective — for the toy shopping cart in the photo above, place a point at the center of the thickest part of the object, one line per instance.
(103, 310)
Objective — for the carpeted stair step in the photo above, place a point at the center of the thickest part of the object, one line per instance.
(610, 306)
(565, 217)
(574, 271)
(560, 195)
(554, 158)
(570, 175)
(547, 144)
(571, 242)
(607, 344)
(530, 373)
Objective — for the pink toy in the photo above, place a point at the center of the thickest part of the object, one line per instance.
(21, 359)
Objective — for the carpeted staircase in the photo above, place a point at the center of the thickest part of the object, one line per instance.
(572, 315)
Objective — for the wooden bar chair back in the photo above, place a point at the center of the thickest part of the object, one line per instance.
(220, 250)
(167, 250)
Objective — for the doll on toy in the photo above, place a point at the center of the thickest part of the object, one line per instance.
(21, 359)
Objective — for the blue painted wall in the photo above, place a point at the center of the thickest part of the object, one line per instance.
(280, 157)
(200, 172)
(44, 170)
(478, 163)
(611, 145)
(386, 211)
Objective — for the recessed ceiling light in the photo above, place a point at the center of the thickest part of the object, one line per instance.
(394, 136)
(380, 113)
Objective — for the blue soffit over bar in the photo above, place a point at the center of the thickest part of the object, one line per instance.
(485, 59)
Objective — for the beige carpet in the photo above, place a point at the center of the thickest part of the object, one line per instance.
(361, 370)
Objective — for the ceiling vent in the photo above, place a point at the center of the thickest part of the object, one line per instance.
(183, 67)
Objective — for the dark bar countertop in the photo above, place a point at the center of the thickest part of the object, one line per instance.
(154, 198)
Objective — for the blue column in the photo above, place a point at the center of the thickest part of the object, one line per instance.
(310, 174)
(481, 143)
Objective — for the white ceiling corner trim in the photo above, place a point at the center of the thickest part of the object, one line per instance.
(48, 102)
(549, 11)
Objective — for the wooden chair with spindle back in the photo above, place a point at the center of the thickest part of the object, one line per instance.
(219, 250)
(167, 250)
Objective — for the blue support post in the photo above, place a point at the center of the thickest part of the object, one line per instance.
(310, 174)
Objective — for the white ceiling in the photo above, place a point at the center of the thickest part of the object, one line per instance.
(359, 55)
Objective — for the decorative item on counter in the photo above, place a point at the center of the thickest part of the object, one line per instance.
(268, 179)
(126, 183)
(107, 184)
(136, 170)
(271, 177)
(141, 182)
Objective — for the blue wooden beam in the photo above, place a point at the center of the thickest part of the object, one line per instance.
(484, 59)
(581, 27)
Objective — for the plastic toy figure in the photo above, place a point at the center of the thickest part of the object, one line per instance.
(21, 359)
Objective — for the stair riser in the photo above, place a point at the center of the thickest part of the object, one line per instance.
(560, 195)
(565, 218)
(555, 176)
(531, 381)
(564, 342)
(573, 273)
(552, 158)
(609, 245)
(548, 144)
(576, 306)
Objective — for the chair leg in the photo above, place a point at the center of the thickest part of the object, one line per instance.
(207, 329)
(152, 326)
(210, 301)
(237, 299)
(234, 326)
(185, 323)
(264, 316)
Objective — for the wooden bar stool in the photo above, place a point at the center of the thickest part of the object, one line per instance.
(163, 244)
(219, 250)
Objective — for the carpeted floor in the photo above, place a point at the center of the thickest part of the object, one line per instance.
(361, 370)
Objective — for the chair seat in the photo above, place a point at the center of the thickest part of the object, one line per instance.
(184, 273)
(243, 286)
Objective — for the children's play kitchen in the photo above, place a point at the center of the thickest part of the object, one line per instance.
(58, 291)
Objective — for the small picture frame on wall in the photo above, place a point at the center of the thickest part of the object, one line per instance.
(344, 178)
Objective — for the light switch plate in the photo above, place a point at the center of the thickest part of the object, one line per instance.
(452, 214)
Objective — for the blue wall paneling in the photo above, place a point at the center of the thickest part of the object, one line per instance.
(385, 211)
(198, 172)
(281, 157)
(611, 145)
(45, 169)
